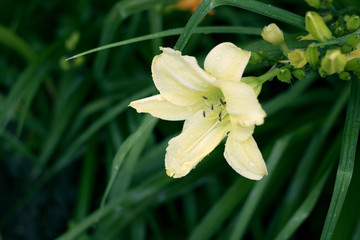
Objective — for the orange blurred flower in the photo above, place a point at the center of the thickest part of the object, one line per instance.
(189, 5)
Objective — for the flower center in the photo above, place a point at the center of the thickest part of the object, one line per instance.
(215, 107)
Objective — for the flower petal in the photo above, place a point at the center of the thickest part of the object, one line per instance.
(227, 62)
(179, 78)
(242, 104)
(198, 138)
(159, 107)
(245, 157)
(242, 133)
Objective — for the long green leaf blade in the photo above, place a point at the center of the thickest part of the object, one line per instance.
(347, 159)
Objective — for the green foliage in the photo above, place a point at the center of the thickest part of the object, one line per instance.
(78, 163)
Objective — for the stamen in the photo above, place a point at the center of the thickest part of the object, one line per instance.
(205, 98)
(212, 106)
(222, 102)
(204, 114)
(220, 116)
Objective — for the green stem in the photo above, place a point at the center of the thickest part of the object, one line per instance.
(269, 75)
(284, 49)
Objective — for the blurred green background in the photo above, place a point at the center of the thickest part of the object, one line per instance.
(68, 136)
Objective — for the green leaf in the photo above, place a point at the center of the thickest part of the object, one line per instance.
(132, 141)
(347, 159)
(11, 40)
(254, 6)
(257, 193)
(303, 212)
(174, 32)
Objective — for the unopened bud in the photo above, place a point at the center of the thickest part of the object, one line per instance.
(322, 73)
(353, 65)
(353, 23)
(299, 74)
(351, 43)
(316, 26)
(339, 31)
(352, 55)
(284, 75)
(297, 58)
(319, 4)
(312, 56)
(345, 76)
(273, 34)
(333, 62)
(314, 3)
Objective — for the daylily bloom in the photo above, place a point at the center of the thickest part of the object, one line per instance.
(215, 104)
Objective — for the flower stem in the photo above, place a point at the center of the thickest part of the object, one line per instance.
(269, 75)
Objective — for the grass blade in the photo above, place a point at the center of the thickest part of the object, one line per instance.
(174, 32)
(11, 40)
(142, 132)
(244, 217)
(347, 159)
(254, 6)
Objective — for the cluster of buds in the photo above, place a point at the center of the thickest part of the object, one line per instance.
(319, 3)
(341, 60)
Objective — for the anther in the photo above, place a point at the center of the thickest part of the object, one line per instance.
(205, 98)
(220, 116)
(212, 106)
(204, 114)
(222, 102)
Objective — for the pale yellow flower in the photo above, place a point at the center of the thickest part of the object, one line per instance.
(297, 58)
(273, 34)
(215, 104)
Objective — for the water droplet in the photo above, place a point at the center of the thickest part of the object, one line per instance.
(252, 163)
(218, 58)
(116, 167)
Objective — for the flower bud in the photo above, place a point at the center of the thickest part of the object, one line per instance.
(316, 26)
(312, 56)
(299, 74)
(345, 76)
(351, 43)
(273, 34)
(319, 4)
(352, 55)
(353, 65)
(284, 75)
(297, 58)
(314, 3)
(322, 73)
(353, 23)
(339, 31)
(333, 62)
